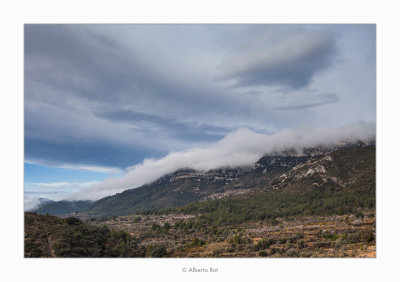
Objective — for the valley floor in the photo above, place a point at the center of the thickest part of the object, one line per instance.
(301, 236)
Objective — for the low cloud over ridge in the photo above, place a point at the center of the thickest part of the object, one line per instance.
(240, 148)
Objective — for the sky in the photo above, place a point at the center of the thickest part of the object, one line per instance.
(111, 107)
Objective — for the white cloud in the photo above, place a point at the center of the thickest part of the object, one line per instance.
(240, 148)
(65, 184)
(103, 169)
(30, 202)
(34, 191)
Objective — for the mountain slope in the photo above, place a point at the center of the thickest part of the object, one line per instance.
(340, 182)
(178, 188)
(335, 166)
(345, 169)
(62, 207)
(186, 186)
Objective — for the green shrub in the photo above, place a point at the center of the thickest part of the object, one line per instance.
(332, 237)
(159, 251)
(264, 244)
(72, 221)
(262, 253)
(353, 237)
(359, 214)
(370, 237)
(196, 242)
(238, 239)
(274, 251)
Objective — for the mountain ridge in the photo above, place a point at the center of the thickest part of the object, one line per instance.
(187, 185)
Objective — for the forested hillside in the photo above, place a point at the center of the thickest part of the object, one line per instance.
(50, 236)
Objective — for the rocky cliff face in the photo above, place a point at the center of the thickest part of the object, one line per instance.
(218, 176)
(272, 163)
(339, 169)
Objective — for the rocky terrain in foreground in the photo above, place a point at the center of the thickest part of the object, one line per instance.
(176, 235)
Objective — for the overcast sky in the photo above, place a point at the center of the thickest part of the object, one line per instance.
(100, 99)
